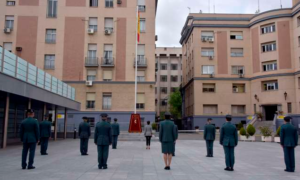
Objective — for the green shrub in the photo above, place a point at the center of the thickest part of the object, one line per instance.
(243, 132)
(154, 126)
(265, 131)
(239, 126)
(278, 131)
(251, 130)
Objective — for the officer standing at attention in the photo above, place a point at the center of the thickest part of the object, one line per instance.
(167, 137)
(115, 133)
(289, 140)
(229, 140)
(209, 137)
(29, 134)
(176, 133)
(84, 133)
(45, 134)
(103, 138)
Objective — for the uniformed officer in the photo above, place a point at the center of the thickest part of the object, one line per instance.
(84, 133)
(167, 137)
(29, 134)
(176, 133)
(229, 140)
(209, 136)
(103, 139)
(45, 134)
(289, 140)
(115, 127)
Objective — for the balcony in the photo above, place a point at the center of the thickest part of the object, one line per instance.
(141, 62)
(107, 62)
(91, 62)
(50, 40)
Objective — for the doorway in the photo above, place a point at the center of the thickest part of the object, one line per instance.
(270, 112)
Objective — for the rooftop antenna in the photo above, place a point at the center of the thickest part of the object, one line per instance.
(209, 6)
(214, 7)
(200, 11)
(281, 4)
(258, 10)
(189, 9)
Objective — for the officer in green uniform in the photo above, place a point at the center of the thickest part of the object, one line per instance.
(115, 127)
(289, 140)
(176, 132)
(103, 139)
(229, 140)
(29, 134)
(84, 133)
(209, 137)
(167, 137)
(45, 134)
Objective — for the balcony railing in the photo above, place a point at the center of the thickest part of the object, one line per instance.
(141, 62)
(49, 65)
(91, 62)
(142, 8)
(50, 40)
(107, 62)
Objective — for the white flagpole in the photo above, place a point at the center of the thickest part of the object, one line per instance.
(136, 57)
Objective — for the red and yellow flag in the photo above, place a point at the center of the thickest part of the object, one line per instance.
(139, 28)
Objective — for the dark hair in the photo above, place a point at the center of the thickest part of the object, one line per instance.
(148, 122)
(115, 119)
(209, 119)
(228, 117)
(287, 119)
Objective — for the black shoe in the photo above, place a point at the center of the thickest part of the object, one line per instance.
(166, 168)
(100, 167)
(231, 169)
(24, 167)
(169, 168)
(32, 167)
(104, 167)
(211, 156)
(44, 154)
(227, 169)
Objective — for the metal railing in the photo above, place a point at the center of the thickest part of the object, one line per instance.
(107, 62)
(142, 8)
(141, 62)
(91, 61)
(50, 40)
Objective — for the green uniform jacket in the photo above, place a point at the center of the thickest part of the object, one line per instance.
(29, 131)
(228, 136)
(103, 134)
(167, 132)
(209, 132)
(84, 130)
(45, 129)
(288, 135)
(115, 129)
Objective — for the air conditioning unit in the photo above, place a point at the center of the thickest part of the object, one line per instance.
(91, 31)
(119, 2)
(211, 40)
(108, 32)
(19, 48)
(203, 39)
(7, 30)
(236, 90)
(89, 83)
(211, 58)
(212, 75)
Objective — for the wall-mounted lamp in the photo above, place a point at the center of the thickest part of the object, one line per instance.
(285, 95)
(256, 97)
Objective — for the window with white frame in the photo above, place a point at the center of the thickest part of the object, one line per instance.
(208, 69)
(207, 35)
(237, 52)
(107, 75)
(267, 47)
(238, 109)
(210, 109)
(207, 52)
(270, 85)
(10, 3)
(238, 70)
(269, 66)
(106, 101)
(141, 76)
(49, 61)
(93, 3)
(90, 100)
(50, 36)
(52, 9)
(93, 23)
(208, 87)
(9, 22)
(268, 28)
(142, 5)
(174, 78)
(109, 24)
(109, 3)
(8, 46)
(236, 35)
(92, 53)
(140, 104)
(143, 25)
(141, 54)
(108, 52)
(91, 75)
(238, 88)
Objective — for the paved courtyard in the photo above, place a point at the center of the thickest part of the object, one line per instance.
(254, 161)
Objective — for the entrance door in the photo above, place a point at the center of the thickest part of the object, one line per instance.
(270, 112)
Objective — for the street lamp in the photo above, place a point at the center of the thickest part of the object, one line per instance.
(285, 95)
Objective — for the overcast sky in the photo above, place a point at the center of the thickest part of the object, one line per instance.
(171, 14)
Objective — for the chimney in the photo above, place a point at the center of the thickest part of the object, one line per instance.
(295, 2)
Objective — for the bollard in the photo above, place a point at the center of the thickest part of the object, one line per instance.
(75, 132)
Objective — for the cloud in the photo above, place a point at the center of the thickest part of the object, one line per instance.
(171, 14)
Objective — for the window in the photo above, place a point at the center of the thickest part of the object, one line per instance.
(163, 66)
(107, 75)
(50, 36)
(174, 78)
(92, 54)
(298, 40)
(93, 23)
(269, 47)
(255, 108)
(208, 69)
(142, 5)
(173, 89)
(237, 35)
(237, 52)
(238, 109)
(210, 109)
(93, 3)
(7, 46)
(268, 29)
(174, 67)
(143, 25)
(52, 9)
(164, 90)
(91, 121)
(141, 76)
(269, 66)
(91, 75)
(109, 3)
(209, 87)
(108, 53)
(106, 101)
(164, 102)
(289, 107)
(206, 52)
(9, 22)
(141, 54)
(49, 62)
(238, 88)
(163, 78)
(206, 35)
(270, 86)
(298, 21)
(90, 100)
(140, 104)
(10, 3)
(238, 70)
(109, 24)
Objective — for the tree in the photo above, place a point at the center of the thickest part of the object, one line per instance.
(175, 102)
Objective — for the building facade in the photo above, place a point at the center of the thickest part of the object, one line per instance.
(241, 64)
(91, 45)
(168, 76)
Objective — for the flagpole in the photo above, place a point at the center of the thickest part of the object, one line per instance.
(136, 57)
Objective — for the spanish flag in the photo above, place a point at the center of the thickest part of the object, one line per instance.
(138, 28)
